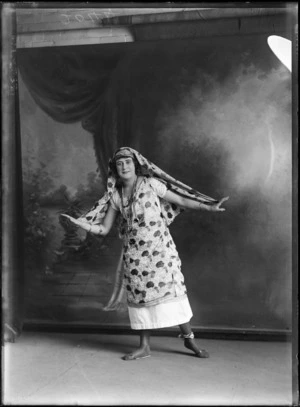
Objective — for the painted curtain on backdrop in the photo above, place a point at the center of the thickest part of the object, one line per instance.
(216, 114)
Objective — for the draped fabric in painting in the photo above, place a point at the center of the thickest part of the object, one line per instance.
(71, 84)
(102, 85)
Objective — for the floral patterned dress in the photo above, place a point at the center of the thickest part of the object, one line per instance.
(156, 292)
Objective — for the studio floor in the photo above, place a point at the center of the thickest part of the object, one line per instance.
(43, 368)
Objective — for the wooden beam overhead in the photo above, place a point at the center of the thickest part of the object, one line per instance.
(38, 19)
(39, 27)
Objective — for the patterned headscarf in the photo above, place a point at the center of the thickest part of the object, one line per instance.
(169, 211)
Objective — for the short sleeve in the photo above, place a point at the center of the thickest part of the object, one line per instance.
(159, 187)
(115, 201)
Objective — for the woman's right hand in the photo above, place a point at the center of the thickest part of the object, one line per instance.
(77, 222)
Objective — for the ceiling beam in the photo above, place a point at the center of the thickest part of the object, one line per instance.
(42, 28)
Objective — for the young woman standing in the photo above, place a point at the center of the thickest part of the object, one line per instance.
(145, 200)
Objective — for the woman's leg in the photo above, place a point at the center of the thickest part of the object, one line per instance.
(189, 341)
(144, 349)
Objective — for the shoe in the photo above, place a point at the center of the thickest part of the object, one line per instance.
(202, 354)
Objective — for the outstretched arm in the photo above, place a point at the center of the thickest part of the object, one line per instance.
(102, 229)
(191, 204)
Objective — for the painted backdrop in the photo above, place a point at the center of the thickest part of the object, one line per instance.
(216, 114)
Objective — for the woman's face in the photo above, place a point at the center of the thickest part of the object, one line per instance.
(125, 168)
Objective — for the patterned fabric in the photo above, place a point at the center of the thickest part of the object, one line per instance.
(158, 187)
(151, 267)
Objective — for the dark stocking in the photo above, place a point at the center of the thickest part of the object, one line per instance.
(189, 341)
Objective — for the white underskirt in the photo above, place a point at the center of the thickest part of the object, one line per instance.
(161, 315)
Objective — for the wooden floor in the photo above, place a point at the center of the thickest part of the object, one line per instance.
(44, 368)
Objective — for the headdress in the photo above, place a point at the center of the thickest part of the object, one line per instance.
(123, 153)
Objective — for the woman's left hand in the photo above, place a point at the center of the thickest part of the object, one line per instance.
(217, 206)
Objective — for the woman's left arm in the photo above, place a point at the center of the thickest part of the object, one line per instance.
(191, 204)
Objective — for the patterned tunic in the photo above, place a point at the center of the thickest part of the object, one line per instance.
(152, 266)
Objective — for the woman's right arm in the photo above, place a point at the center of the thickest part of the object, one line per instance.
(101, 230)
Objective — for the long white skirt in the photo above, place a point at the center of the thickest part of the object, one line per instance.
(161, 315)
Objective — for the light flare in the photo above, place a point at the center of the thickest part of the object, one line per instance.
(282, 48)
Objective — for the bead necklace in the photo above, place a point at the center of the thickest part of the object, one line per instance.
(129, 203)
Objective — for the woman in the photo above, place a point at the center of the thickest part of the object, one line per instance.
(145, 200)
